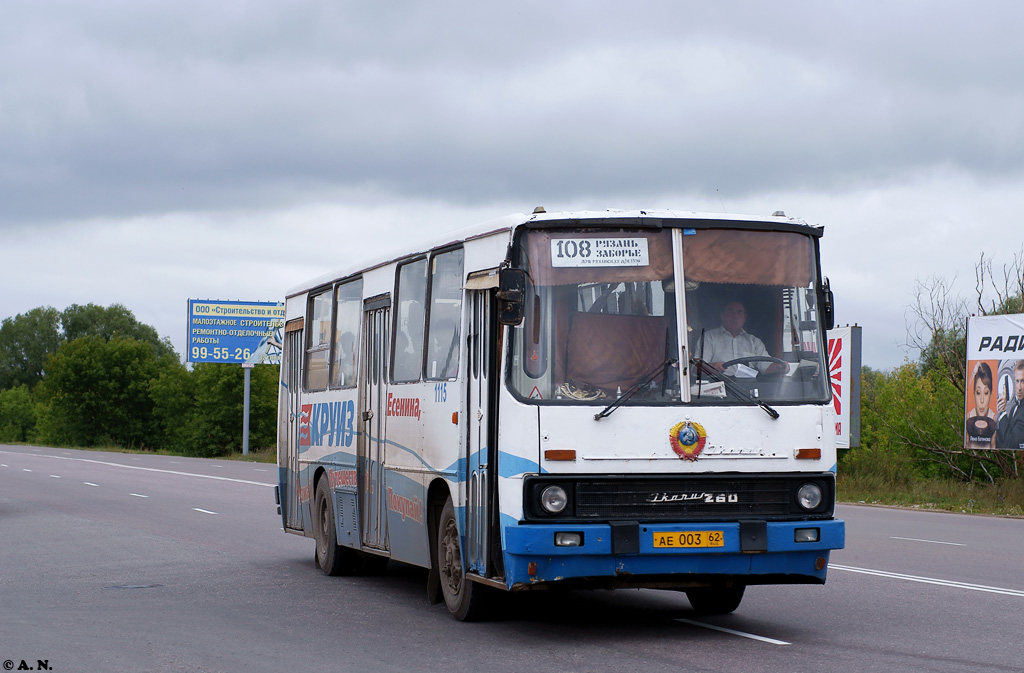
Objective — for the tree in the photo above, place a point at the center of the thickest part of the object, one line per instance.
(26, 341)
(173, 395)
(114, 320)
(98, 392)
(909, 418)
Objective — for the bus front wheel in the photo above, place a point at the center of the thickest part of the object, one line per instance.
(715, 600)
(332, 558)
(463, 598)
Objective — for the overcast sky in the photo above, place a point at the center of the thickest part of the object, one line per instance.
(156, 152)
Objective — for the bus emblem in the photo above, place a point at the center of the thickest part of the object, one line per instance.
(687, 439)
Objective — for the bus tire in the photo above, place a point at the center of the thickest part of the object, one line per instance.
(464, 598)
(331, 557)
(715, 600)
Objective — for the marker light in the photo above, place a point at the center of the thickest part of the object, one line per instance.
(809, 496)
(553, 499)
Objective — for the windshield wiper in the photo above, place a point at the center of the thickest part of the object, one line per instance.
(733, 387)
(633, 389)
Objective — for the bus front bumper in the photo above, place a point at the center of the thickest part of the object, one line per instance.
(665, 555)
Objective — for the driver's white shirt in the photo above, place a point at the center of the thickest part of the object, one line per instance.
(720, 346)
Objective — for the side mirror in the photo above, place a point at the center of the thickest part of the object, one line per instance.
(828, 306)
(511, 292)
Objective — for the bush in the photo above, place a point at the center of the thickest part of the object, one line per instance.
(17, 414)
(213, 425)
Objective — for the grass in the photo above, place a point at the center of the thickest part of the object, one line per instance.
(262, 455)
(1005, 498)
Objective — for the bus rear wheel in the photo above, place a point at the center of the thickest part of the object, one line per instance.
(332, 558)
(463, 598)
(715, 600)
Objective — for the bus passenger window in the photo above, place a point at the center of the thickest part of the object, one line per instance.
(348, 303)
(408, 342)
(318, 341)
(446, 280)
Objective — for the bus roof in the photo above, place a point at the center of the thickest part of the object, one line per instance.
(651, 218)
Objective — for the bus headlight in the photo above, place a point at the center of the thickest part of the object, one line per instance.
(553, 499)
(809, 496)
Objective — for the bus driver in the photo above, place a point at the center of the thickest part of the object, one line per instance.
(731, 341)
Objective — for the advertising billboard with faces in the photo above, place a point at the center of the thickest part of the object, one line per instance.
(994, 405)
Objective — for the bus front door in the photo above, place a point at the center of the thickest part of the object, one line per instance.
(373, 516)
(481, 452)
(288, 429)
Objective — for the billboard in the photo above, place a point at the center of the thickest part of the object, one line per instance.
(994, 404)
(844, 364)
(236, 332)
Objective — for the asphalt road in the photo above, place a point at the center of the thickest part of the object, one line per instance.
(114, 562)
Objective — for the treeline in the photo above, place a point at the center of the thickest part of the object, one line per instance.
(93, 376)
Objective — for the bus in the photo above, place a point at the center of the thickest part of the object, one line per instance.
(540, 402)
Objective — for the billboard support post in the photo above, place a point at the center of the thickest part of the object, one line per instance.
(247, 368)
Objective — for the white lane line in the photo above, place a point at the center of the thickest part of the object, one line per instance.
(4, 465)
(930, 580)
(55, 476)
(25, 469)
(915, 539)
(204, 511)
(763, 639)
(89, 483)
(154, 469)
(138, 495)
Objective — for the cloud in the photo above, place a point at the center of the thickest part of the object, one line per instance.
(154, 152)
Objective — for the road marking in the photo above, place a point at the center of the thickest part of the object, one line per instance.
(138, 495)
(763, 639)
(915, 539)
(25, 469)
(153, 469)
(89, 483)
(4, 465)
(55, 476)
(930, 580)
(204, 511)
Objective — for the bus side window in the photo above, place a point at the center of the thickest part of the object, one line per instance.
(348, 309)
(318, 340)
(446, 280)
(408, 342)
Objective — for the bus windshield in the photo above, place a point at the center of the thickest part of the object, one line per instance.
(601, 319)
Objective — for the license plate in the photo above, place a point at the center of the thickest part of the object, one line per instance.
(689, 540)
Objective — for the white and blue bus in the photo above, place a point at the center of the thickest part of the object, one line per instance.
(532, 403)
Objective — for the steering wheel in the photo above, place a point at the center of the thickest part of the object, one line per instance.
(749, 359)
